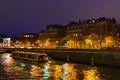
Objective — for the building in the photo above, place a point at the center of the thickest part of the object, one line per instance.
(25, 40)
(91, 34)
(2, 44)
(118, 35)
(52, 37)
(88, 34)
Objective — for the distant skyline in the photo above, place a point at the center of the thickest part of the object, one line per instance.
(22, 16)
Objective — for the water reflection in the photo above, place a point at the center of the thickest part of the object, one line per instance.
(54, 70)
(69, 72)
(7, 61)
(46, 72)
(36, 71)
(91, 74)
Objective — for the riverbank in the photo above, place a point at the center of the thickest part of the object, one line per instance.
(110, 57)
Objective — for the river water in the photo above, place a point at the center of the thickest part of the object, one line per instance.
(55, 70)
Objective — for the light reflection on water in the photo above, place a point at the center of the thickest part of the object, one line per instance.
(91, 74)
(55, 70)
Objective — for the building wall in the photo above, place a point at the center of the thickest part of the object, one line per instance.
(89, 34)
(52, 36)
(92, 34)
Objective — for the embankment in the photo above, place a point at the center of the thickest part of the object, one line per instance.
(103, 57)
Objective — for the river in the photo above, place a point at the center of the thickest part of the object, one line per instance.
(55, 70)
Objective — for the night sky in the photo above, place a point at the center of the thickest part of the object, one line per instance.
(22, 16)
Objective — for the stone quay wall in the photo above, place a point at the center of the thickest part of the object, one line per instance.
(93, 57)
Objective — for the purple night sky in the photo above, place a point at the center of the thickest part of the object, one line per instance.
(21, 16)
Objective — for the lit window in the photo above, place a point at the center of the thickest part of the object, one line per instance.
(93, 21)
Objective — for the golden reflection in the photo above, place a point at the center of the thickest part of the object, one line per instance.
(6, 56)
(36, 71)
(91, 74)
(109, 41)
(69, 72)
(18, 68)
(46, 73)
(56, 72)
(7, 62)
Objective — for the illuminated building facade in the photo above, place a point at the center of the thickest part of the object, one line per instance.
(118, 35)
(2, 36)
(51, 37)
(89, 34)
(29, 39)
(26, 40)
(92, 34)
